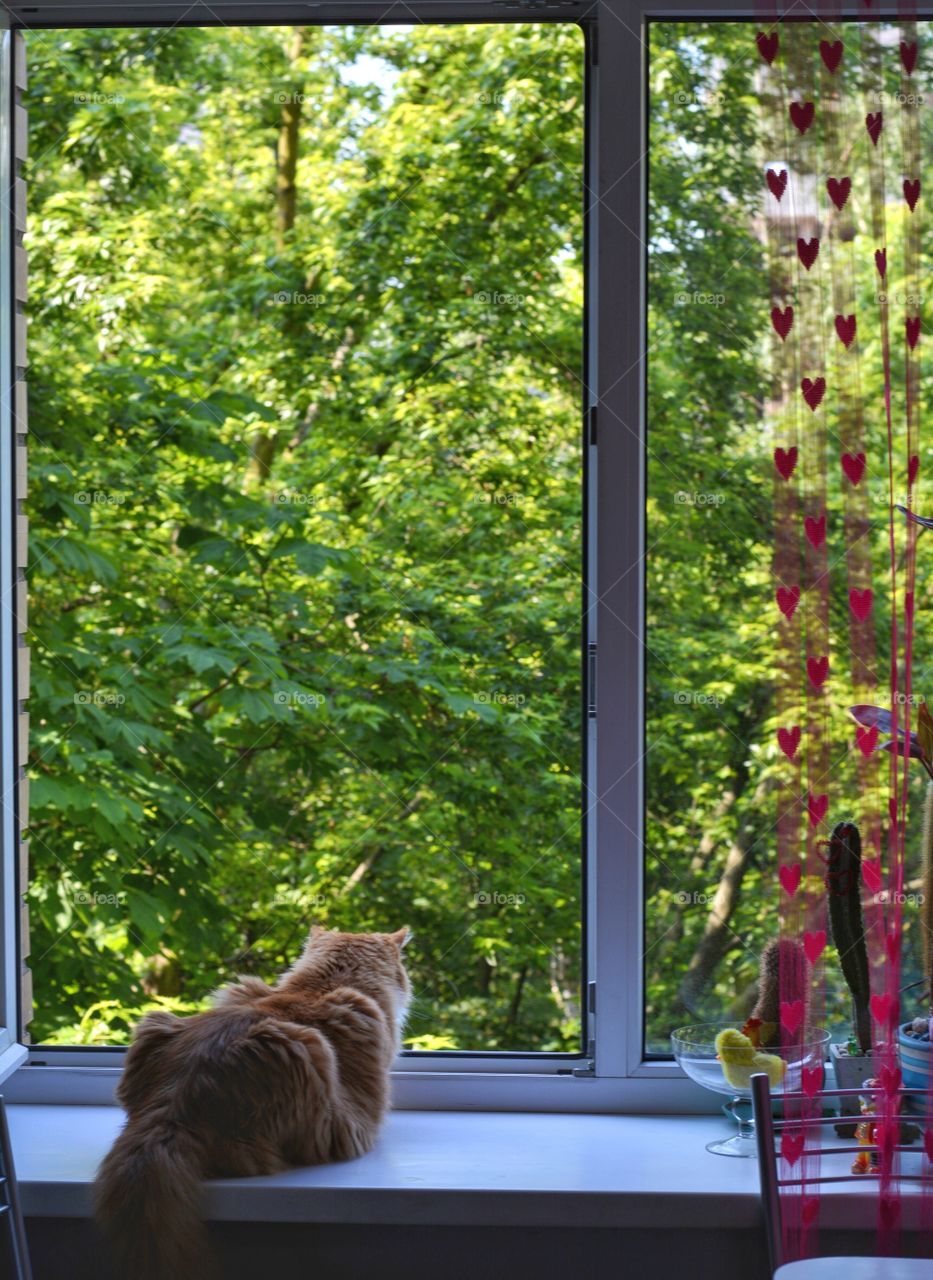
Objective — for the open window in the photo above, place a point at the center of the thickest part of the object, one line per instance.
(414, 258)
(308, 521)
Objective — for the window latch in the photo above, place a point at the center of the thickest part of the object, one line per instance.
(591, 681)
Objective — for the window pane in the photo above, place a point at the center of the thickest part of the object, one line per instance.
(714, 769)
(306, 341)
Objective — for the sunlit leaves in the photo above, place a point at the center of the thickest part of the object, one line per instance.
(347, 690)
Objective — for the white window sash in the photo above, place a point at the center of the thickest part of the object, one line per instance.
(11, 1052)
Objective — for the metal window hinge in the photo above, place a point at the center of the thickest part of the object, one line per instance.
(591, 423)
(591, 997)
(591, 681)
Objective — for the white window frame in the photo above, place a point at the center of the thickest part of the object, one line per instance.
(12, 1053)
(614, 1076)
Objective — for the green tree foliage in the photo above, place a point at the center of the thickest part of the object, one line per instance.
(708, 515)
(306, 516)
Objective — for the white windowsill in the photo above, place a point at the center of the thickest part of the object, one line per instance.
(454, 1168)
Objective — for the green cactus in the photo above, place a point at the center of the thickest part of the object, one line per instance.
(781, 957)
(844, 890)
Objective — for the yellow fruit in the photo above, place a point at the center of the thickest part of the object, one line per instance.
(770, 1063)
(736, 1053)
(740, 1061)
(733, 1047)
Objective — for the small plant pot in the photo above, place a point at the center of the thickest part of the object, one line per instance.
(851, 1070)
(915, 1059)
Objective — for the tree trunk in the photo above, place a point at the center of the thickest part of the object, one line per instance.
(718, 937)
(286, 152)
(264, 443)
(517, 997)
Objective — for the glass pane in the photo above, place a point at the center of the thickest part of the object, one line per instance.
(306, 503)
(713, 759)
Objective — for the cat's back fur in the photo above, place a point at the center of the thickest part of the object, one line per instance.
(267, 1078)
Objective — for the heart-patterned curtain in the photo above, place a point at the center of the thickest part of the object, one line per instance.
(841, 110)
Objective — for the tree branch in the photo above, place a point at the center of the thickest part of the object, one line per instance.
(227, 680)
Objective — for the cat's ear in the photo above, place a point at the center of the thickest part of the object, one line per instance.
(316, 931)
(401, 937)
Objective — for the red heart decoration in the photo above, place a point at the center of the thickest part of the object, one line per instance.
(881, 261)
(791, 1146)
(791, 1014)
(813, 392)
(913, 466)
(788, 599)
(777, 182)
(814, 944)
(892, 944)
(839, 191)
(911, 192)
(873, 124)
(831, 54)
(845, 328)
(815, 530)
(886, 1136)
(790, 879)
(811, 1080)
(809, 1208)
(871, 874)
(860, 602)
(801, 114)
(866, 740)
(853, 464)
(817, 671)
(881, 1008)
(928, 1143)
(789, 740)
(783, 323)
(890, 1211)
(807, 250)
(816, 807)
(767, 45)
(785, 460)
(909, 57)
(890, 1078)
(912, 324)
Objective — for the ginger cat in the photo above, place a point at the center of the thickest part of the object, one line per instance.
(268, 1078)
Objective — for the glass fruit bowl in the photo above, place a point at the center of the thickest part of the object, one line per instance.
(695, 1051)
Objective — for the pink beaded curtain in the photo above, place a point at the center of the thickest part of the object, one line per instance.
(840, 111)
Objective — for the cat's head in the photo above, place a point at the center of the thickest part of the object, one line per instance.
(366, 960)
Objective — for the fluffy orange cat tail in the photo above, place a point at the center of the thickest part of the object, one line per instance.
(146, 1201)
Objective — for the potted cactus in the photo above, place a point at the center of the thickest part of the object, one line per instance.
(852, 1061)
(780, 958)
(784, 971)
